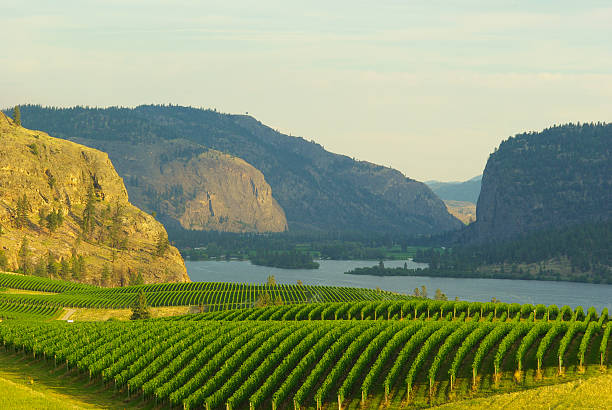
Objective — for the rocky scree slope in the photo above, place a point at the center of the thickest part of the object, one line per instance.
(41, 175)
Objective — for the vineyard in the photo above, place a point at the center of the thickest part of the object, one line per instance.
(243, 363)
(313, 347)
(211, 296)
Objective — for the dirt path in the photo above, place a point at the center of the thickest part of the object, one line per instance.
(67, 314)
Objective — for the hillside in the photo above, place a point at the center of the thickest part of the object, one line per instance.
(195, 188)
(464, 211)
(466, 191)
(560, 176)
(317, 190)
(64, 212)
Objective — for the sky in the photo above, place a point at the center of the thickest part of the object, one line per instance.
(427, 87)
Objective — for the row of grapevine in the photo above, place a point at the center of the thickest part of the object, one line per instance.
(9, 310)
(378, 310)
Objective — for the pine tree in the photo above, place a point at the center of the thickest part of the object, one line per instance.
(23, 207)
(161, 244)
(24, 254)
(140, 310)
(52, 265)
(106, 273)
(89, 213)
(3, 261)
(17, 116)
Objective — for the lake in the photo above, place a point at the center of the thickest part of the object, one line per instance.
(482, 290)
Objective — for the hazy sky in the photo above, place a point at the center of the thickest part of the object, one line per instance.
(428, 87)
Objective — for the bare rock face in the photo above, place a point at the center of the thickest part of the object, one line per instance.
(42, 176)
(195, 187)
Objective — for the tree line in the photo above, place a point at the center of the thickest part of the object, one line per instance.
(585, 246)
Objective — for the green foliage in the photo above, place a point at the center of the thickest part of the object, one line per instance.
(547, 340)
(136, 279)
(23, 208)
(162, 244)
(585, 245)
(24, 256)
(33, 149)
(118, 238)
(88, 220)
(17, 116)
(55, 219)
(141, 310)
(4, 265)
(221, 359)
(50, 179)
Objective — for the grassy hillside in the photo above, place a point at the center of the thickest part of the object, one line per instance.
(34, 384)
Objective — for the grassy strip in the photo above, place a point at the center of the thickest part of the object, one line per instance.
(35, 384)
(591, 393)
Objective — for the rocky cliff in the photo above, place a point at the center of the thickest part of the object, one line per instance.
(318, 190)
(64, 212)
(560, 176)
(194, 187)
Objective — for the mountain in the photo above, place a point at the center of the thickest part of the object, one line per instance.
(560, 176)
(318, 190)
(195, 188)
(64, 212)
(459, 197)
(466, 191)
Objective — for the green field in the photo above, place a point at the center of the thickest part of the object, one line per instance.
(363, 349)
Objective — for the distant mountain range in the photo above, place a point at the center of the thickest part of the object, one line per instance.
(466, 191)
(317, 190)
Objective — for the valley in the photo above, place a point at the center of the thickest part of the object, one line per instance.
(306, 205)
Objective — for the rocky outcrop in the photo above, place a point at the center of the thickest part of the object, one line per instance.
(91, 219)
(194, 187)
(560, 176)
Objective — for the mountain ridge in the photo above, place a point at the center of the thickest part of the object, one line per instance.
(464, 191)
(318, 190)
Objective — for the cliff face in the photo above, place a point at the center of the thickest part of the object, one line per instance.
(317, 189)
(47, 187)
(557, 177)
(194, 187)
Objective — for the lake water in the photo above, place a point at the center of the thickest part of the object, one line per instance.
(482, 290)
